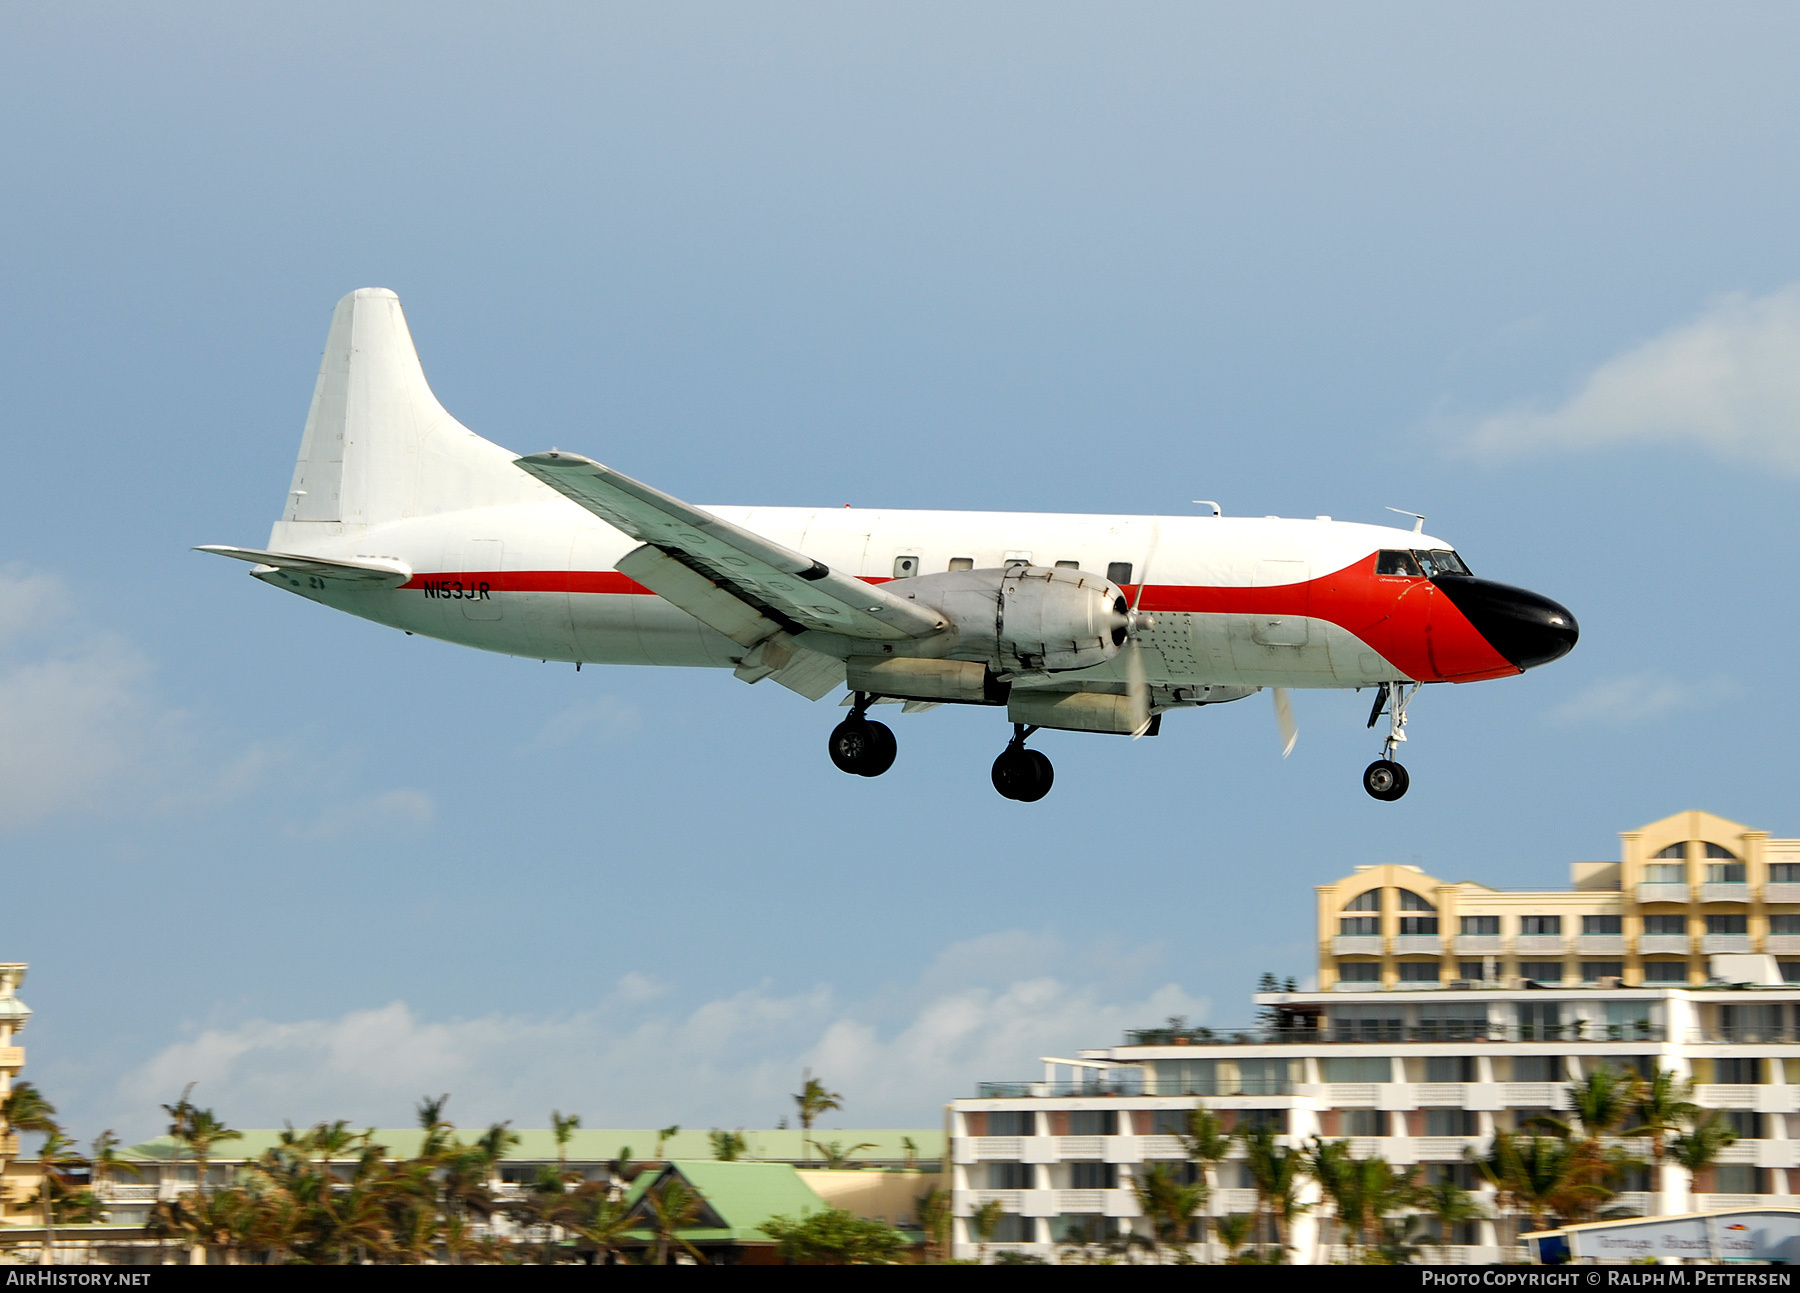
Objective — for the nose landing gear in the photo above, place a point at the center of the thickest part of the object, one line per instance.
(860, 746)
(1020, 773)
(1385, 779)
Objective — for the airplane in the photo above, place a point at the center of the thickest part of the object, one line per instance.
(1086, 623)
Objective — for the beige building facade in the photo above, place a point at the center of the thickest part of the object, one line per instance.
(1685, 889)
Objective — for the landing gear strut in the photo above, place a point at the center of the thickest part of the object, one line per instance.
(1022, 774)
(860, 746)
(1385, 779)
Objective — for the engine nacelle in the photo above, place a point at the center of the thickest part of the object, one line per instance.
(1027, 617)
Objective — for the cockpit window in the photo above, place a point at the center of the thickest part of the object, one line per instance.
(1441, 561)
(1396, 563)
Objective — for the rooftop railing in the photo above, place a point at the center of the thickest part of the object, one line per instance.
(1357, 1031)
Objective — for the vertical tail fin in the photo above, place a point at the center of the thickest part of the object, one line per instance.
(378, 446)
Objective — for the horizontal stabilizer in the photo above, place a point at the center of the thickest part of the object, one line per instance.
(374, 571)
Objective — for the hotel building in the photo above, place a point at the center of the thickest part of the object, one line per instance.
(1447, 1011)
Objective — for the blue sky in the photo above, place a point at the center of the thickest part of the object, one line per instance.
(1528, 270)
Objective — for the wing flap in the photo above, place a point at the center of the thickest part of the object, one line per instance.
(376, 571)
(760, 572)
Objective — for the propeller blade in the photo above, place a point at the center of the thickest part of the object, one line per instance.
(1284, 720)
(1137, 688)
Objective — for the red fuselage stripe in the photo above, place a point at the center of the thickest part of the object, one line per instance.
(1406, 620)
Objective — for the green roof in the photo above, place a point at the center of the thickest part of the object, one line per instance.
(743, 1195)
(602, 1144)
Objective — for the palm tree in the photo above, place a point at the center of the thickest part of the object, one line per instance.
(727, 1145)
(25, 1109)
(1276, 1171)
(1329, 1163)
(673, 1207)
(1697, 1147)
(934, 1219)
(665, 1134)
(1208, 1145)
(837, 1157)
(1665, 1104)
(331, 1140)
(563, 1127)
(911, 1150)
(603, 1222)
(57, 1162)
(106, 1160)
(204, 1132)
(812, 1101)
(433, 1124)
(1542, 1177)
(1234, 1233)
(984, 1221)
(1450, 1206)
(1167, 1205)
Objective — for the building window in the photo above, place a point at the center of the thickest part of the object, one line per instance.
(1410, 901)
(1014, 1229)
(1720, 851)
(1594, 971)
(1083, 1228)
(1451, 1122)
(1093, 1176)
(1725, 873)
(1736, 1178)
(1011, 1122)
(1665, 873)
(1541, 971)
(1665, 972)
(1539, 1020)
(1262, 1077)
(1472, 971)
(1368, 900)
(1359, 1122)
(1418, 971)
(1359, 971)
(1540, 924)
(1362, 1068)
(1009, 1176)
(1784, 873)
(1371, 1023)
(1728, 924)
(1359, 926)
(1450, 1068)
(1790, 971)
(1602, 925)
(1094, 1122)
(1736, 1072)
(1784, 924)
(1665, 924)
(1274, 1120)
(1417, 925)
(1463, 1020)
(1743, 1122)
(1673, 851)
(1480, 926)
(1537, 1068)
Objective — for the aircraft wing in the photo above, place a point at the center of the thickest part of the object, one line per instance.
(378, 572)
(768, 582)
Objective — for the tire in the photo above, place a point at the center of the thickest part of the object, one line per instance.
(851, 744)
(1010, 774)
(1042, 775)
(1385, 780)
(882, 751)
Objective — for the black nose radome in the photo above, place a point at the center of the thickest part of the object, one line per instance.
(1523, 626)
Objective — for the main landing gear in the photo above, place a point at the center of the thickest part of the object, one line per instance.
(1022, 774)
(1385, 779)
(860, 746)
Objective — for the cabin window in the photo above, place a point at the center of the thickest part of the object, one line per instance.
(1119, 571)
(1068, 565)
(962, 563)
(905, 567)
(1441, 561)
(1396, 563)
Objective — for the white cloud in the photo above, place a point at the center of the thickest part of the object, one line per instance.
(1639, 697)
(627, 1061)
(602, 718)
(391, 810)
(1728, 382)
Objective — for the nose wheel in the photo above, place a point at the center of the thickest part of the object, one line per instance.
(862, 747)
(1385, 779)
(1020, 773)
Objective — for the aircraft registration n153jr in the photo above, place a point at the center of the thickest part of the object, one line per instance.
(400, 514)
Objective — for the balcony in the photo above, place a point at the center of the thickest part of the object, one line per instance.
(1480, 944)
(1653, 944)
(1782, 943)
(1600, 944)
(1534, 1095)
(1539, 943)
(1080, 1146)
(1443, 1149)
(1416, 945)
(1009, 1200)
(1348, 1095)
(1648, 892)
(1712, 1095)
(1003, 1147)
(1781, 893)
(1735, 891)
(1356, 945)
(1724, 942)
(1154, 1147)
(12, 1057)
(1451, 1094)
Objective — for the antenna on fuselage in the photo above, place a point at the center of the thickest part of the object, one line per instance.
(1418, 518)
(1207, 502)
